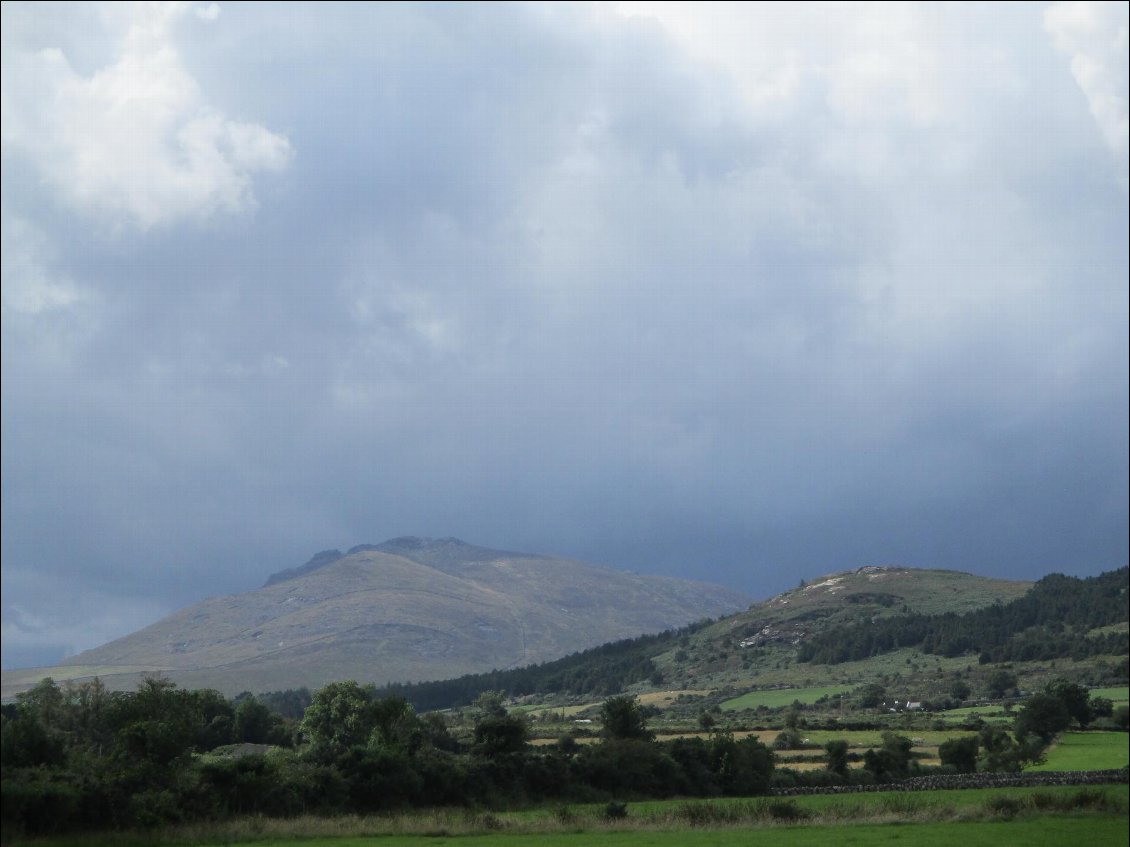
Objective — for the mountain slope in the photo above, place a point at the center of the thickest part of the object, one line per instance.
(408, 609)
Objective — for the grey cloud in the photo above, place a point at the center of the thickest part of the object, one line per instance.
(536, 279)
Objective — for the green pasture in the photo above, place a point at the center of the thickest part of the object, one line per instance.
(1087, 751)
(1119, 695)
(988, 714)
(777, 697)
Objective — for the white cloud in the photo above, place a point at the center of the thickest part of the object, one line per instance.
(136, 139)
(1095, 36)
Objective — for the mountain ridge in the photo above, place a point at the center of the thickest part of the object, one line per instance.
(423, 550)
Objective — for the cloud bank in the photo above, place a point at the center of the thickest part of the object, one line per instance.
(746, 294)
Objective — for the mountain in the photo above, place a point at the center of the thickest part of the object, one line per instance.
(407, 609)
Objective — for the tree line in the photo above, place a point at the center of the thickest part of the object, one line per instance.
(80, 758)
(597, 672)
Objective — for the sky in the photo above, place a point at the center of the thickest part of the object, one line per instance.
(746, 294)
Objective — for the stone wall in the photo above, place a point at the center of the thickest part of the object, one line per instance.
(970, 780)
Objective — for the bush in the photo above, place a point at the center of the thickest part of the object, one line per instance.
(615, 811)
(789, 739)
(960, 753)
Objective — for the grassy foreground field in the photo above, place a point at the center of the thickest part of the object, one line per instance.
(1037, 832)
(1094, 816)
(1033, 832)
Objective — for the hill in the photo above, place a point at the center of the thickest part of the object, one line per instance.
(1060, 617)
(761, 641)
(763, 655)
(864, 595)
(407, 609)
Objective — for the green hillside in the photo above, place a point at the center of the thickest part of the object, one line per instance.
(750, 660)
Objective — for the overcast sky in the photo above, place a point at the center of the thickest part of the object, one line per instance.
(745, 294)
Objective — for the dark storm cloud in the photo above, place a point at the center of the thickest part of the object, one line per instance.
(533, 277)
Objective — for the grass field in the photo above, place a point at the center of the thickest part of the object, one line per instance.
(1087, 751)
(1042, 816)
(777, 697)
(1037, 832)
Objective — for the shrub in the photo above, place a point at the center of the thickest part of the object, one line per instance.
(37, 804)
(1004, 807)
(789, 739)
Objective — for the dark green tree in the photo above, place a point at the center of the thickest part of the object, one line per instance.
(492, 703)
(395, 725)
(1101, 707)
(622, 718)
(837, 755)
(999, 752)
(892, 760)
(495, 734)
(1075, 698)
(871, 695)
(340, 716)
(1044, 716)
(26, 743)
(742, 767)
(1122, 717)
(1001, 683)
(215, 719)
(44, 700)
(157, 724)
(960, 753)
(254, 723)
